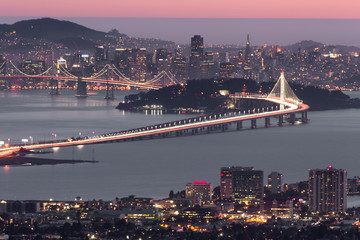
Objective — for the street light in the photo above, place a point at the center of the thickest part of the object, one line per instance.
(31, 139)
(25, 140)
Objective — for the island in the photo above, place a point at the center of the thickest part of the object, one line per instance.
(209, 95)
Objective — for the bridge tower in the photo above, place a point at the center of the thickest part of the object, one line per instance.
(109, 92)
(54, 87)
(81, 88)
(283, 91)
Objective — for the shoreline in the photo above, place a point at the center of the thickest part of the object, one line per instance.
(31, 161)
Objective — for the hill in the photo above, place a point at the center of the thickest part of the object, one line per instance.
(51, 30)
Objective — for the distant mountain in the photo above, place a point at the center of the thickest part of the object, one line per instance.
(52, 30)
(75, 36)
(311, 45)
(305, 44)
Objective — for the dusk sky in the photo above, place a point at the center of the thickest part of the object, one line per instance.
(228, 21)
(346, 9)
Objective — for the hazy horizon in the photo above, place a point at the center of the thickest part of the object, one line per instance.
(226, 30)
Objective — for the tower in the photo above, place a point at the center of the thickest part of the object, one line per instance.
(327, 190)
(247, 49)
(196, 56)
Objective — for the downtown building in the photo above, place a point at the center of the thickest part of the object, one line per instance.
(199, 191)
(196, 56)
(275, 182)
(243, 185)
(327, 190)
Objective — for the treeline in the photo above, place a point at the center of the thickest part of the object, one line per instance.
(205, 94)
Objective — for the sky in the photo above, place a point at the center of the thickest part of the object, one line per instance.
(278, 22)
(334, 9)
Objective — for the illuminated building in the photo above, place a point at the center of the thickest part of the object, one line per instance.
(227, 70)
(197, 214)
(226, 183)
(247, 185)
(275, 182)
(208, 66)
(179, 68)
(138, 66)
(162, 60)
(198, 190)
(247, 50)
(99, 56)
(32, 68)
(224, 57)
(197, 45)
(196, 56)
(123, 58)
(327, 190)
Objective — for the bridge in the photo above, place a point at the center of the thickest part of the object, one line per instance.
(109, 75)
(286, 107)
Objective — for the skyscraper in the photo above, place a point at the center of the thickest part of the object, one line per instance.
(99, 56)
(247, 185)
(226, 183)
(275, 182)
(327, 190)
(197, 45)
(247, 50)
(196, 56)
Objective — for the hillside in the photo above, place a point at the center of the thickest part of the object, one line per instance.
(51, 30)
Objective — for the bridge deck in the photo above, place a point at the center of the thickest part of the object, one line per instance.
(175, 126)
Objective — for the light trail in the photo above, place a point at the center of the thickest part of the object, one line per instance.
(292, 107)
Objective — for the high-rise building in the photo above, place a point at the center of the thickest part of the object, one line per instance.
(247, 49)
(138, 66)
(123, 59)
(247, 185)
(227, 70)
(208, 68)
(226, 183)
(198, 190)
(196, 56)
(179, 68)
(275, 182)
(197, 45)
(327, 190)
(99, 56)
(163, 60)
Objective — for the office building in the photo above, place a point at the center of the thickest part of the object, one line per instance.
(226, 183)
(275, 182)
(327, 190)
(196, 56)
(198, 190)
(247, 185)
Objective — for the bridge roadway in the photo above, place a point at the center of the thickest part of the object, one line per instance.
(175, 126)
(91, 80)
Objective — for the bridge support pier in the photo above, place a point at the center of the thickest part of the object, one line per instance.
(109, 92)
(304, 118)
(253, 123)
(54, 87)
(267, 122)
(239, 125)
(81, 88)
(281, 120)
(292, 118)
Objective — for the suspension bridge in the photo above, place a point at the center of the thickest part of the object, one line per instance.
(109, 75)
(285, 108)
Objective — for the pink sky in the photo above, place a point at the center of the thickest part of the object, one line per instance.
(343, 9)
